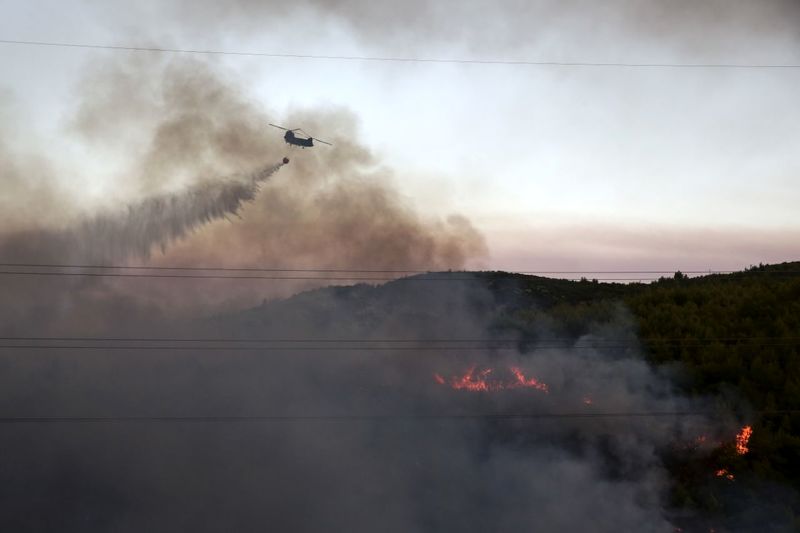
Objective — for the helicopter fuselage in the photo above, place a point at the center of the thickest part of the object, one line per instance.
(291, 138)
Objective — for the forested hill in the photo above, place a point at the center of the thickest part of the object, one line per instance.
(740, 329)
(736, 338)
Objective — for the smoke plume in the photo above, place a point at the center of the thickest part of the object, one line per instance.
(181, 139)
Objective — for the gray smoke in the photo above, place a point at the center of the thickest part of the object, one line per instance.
(171, 125)
(391, 473)
(708, 30)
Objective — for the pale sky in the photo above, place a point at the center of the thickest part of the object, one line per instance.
(560, 167)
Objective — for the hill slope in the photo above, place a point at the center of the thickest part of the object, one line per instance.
(735, 337)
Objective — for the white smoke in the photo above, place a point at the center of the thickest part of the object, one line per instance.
(159, 220)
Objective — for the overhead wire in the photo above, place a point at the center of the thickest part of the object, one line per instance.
(392, 59)
(287, 278)
(340, 274)
(185, 344)
(349, 270)
(381, 417)
(339, 348)
(389, 340)
(193, 268)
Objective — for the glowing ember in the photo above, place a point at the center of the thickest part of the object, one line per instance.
(742, 438)
(530, 382)
(723, 472)
(483, 380)
(472, 381)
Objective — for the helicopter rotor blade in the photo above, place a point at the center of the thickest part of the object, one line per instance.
(314, 138)
(302, 131)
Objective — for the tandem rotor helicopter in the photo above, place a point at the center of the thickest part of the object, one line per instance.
(294, 140)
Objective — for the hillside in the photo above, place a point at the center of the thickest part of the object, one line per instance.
(734, 338)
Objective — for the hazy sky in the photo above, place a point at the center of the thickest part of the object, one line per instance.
(560, 167)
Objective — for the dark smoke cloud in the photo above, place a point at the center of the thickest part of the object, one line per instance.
(390, 475)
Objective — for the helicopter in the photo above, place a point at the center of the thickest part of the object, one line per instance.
(293, 139)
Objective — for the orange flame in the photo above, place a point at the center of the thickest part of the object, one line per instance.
(742, 438)
(723, 472)
(472, 381)
(483, 381)
(530, 382)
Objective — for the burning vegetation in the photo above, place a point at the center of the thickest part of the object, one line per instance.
(742, 439)
(724, 472)
(486, 380)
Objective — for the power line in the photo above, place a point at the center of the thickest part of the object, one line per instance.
(508, 62)
(367, 345)
(349, 270)
(260, 348)
(441, 276)
(204, 268)
(389, 340)
(377, 417)
(339, 274)
(343, 348)
(418, 278)
(295, 274)
(220, 276)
